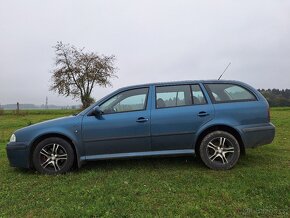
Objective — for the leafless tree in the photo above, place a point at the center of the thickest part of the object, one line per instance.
(77, 72)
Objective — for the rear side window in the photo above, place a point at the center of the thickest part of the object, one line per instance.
(173, 96)
(224, 92)
(197, 95)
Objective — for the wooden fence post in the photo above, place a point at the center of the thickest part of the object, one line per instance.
(17, 109)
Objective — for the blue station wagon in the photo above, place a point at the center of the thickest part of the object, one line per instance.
(216, 120)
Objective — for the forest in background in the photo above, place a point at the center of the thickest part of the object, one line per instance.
(276, 97)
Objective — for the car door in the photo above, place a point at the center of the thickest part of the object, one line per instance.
(123, 127)
(178, 111)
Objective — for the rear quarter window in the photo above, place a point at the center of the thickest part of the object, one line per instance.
(226, 92)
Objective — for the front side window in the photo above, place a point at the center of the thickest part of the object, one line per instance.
(173, 96)
(229, 92)
(131, 100)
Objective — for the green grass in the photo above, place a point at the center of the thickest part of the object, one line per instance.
(259, 186)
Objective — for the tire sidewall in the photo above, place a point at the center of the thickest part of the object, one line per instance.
(204, 155)
(70, 155)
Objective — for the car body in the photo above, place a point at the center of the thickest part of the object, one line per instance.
(174, 118)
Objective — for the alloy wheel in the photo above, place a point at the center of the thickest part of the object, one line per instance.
(220, 150)
(53, 157)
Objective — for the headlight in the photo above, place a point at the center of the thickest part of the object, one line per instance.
(13, 138)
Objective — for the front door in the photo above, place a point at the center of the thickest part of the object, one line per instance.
(124, 126)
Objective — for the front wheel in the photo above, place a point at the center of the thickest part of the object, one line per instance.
(219, 150)
(53, 156)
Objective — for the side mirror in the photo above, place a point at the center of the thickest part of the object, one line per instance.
(97, 111)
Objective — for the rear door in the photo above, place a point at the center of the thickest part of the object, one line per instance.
(178, 111)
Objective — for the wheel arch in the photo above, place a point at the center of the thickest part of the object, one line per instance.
(221, 127)
(58, 135)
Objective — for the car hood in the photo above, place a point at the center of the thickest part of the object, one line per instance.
(47, 123)
(59, 125)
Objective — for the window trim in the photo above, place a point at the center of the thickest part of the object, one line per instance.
(146, 100)
(230, 101)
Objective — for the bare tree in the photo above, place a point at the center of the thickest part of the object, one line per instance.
(77, 72)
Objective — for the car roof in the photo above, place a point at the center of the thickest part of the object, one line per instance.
(184, 82)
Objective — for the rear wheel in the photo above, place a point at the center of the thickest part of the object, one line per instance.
(53, 156)
(219, 150)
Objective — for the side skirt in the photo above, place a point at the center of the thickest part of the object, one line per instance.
(139, 154)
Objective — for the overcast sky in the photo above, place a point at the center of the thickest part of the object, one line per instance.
(153, 41)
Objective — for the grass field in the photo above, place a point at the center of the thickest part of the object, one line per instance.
(258, 186)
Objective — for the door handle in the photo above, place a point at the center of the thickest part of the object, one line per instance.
(142, 120)
(202, 114)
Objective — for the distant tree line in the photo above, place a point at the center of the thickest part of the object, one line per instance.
(276, 97)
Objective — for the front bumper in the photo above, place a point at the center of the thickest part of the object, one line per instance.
(257, 135)
(18, 154)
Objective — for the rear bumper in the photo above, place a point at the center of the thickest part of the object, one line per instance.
(257, 135)
(18, 154)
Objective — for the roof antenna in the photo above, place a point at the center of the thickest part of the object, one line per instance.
(224, 71)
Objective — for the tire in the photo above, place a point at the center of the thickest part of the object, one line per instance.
(53, 156)
(219, 150)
